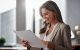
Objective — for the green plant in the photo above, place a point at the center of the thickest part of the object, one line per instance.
(2, 41)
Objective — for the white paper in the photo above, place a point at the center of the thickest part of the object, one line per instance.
(29, 36)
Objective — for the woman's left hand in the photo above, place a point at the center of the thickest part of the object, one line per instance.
(45, 42)
(48, 44)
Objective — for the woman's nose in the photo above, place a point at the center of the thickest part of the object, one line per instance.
(46, 17)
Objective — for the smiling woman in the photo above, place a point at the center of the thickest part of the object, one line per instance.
(55, 31)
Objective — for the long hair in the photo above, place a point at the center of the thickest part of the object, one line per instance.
(51, 6)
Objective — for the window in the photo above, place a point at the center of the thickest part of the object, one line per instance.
(8, 25)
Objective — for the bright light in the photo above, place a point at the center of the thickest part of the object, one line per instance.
(6, 5)
(29, 14)
(72, 35)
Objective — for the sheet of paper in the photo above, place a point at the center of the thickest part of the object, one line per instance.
(29, 36)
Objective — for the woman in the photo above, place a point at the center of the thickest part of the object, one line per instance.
(57, 33)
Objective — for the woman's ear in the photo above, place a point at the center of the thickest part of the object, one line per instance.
(55, 14)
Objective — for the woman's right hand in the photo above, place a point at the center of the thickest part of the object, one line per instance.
(26, 44)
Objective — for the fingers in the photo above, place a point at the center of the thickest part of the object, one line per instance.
(45, 42)
(25, 43)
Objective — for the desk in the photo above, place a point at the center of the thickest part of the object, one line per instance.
(76, 47)
(13, 48)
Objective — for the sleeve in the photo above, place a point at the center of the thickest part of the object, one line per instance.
(66, 39)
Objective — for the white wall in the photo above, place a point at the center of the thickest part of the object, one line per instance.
(6, 5)
(73, 13)
(73, 16)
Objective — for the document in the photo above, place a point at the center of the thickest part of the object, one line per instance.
(29, 36)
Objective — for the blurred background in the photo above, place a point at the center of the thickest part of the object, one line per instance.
(24, 15)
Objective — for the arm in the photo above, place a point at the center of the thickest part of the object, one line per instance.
(26, 44)
(48, 44)
(66, 38)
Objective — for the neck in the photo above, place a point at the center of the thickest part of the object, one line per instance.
(53, 23)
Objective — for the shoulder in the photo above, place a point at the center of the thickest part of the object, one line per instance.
(63, 26)
(65, 29)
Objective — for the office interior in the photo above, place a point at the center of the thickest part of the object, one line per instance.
(19, 15)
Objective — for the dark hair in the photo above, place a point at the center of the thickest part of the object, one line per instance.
(52, 6)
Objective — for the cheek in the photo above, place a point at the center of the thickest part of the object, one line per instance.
(51, 18)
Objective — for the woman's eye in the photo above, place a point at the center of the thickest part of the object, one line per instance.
(46, 14)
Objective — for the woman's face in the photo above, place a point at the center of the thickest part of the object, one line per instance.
(48, 15)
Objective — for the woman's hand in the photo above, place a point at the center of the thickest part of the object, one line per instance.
(48, 44)
(45, 42)
(26, 44)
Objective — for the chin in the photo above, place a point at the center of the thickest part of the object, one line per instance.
(47, 22)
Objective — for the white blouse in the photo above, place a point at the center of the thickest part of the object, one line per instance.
(48, 37)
